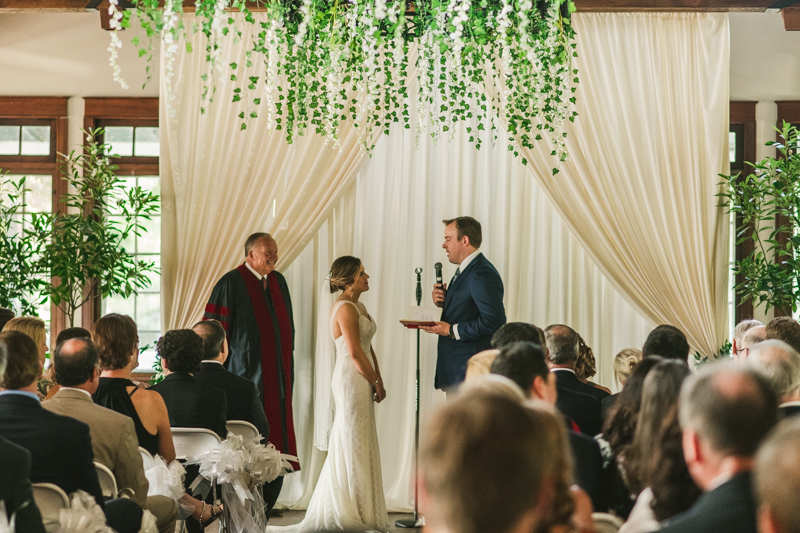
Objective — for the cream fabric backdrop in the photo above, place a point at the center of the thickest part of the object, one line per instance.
(219, 183)
(647, 147)
(400, 198)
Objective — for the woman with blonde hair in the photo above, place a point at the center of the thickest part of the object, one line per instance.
(624, 363)
(34, 328)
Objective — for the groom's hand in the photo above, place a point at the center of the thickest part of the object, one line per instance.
(441, 328)
(438, 294)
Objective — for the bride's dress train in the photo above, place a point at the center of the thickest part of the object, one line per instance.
(349, 494)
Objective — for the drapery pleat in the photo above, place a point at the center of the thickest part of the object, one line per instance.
(647, 148)
(220, 184)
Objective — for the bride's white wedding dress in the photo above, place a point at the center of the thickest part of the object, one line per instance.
(349, 493)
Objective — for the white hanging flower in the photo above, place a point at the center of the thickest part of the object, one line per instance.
(115, 22)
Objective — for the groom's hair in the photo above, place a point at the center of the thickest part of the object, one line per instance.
(483, 461)
(467, 226)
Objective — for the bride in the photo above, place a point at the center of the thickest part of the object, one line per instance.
(349, 494)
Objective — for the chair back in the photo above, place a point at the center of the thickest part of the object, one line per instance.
(242, 428)
(606, 523)
(191, 442)
(147, 459)
(50, 499)
(108, 483)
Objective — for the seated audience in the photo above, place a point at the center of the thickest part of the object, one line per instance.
(780, 364)
(518, 332)
(579, 401)
(190, 404)
(34, 328)
(725, 411)
(64, 336)
(480, 364)
(786, 329)
(477, 470)
(244, 402)
(659, 395)
(624, 363)
(618, 431)
(5, 316)
(777, 480)
(586, 365)
(673, 489)
(495, 384)
(60, 446)
(15, 478)
(114, 442)
(738, 351)
(117, 342)
(751, 338)
(667, 341)
(524, 364)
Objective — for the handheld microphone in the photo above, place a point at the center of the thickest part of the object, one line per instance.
(438, 268)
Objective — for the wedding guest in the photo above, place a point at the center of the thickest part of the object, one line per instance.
(459, 494)
(60, 446)
(493, 383)
(660, 395)
(480, 364)
(5, 316)
(65, 335)
(726, 411)
(34, 328)
(777, 480)
(668, 342)
(780, 364)
(624, 363)
(117, 342)
(518, 332)
(578, 401)
(786, 329)
(738, 335)
(586, 365)
(241, 393)
(524, 364)
(114, 442)
(618, 432)
(15, 478)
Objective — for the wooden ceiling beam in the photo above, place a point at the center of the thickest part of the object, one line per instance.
(10, 6)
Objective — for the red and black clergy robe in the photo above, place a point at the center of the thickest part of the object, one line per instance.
(260, 331)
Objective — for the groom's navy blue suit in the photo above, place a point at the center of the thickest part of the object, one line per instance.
(474, 302)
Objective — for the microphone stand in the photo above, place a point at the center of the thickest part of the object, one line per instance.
(416, 522)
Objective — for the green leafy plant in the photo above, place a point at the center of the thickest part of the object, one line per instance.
(84, 245)
(768, 201)
(21, 276)
(330, 61)
(725, 351)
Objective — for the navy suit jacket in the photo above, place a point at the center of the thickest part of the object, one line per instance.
(474, 302)
(60, 446)
(15, 487)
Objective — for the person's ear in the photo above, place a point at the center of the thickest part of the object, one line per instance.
(537, 387)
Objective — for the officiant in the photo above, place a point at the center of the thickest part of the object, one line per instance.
(252, 303)
(472, 303)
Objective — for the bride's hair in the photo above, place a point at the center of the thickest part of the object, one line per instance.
(343, 272)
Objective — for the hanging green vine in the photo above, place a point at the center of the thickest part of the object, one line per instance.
(330, 61)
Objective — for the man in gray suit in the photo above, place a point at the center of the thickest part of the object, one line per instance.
(113, 436)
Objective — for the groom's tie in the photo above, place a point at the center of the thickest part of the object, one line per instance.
(458, 271)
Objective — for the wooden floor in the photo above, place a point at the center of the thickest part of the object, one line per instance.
(293, 517)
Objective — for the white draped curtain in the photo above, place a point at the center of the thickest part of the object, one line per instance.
(626, 236)
(220, 184)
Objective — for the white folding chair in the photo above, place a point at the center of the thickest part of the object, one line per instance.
(242, 428)
(108, 483)
(606, 523)
(147, 459)
(50, 499)
(191, 442)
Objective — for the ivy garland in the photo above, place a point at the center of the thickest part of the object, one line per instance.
(329, 61)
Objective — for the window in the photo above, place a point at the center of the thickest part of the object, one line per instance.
(131, 128)
(32, 132)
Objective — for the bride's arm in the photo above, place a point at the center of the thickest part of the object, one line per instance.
(347, 319)
(380, 390)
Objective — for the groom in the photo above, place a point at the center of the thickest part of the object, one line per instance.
(472, 308)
